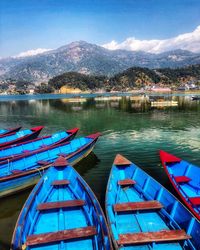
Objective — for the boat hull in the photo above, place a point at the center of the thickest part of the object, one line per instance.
(141, 213)
(187, 184)
(37, 145)
(61, 185)
(17, 138)
(21, 180)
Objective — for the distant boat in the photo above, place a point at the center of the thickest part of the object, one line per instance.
(21, 136)
(61, 212)
(7, 131)
(195, 98)
(142, 214)
(185, 178)
(164, 103)
(37, 145)
(23, 172)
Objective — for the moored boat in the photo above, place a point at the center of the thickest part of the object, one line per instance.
(21, 136)
(37, 145)
(24, 171)
(7, 131)
(185, 178)
(61, 212)
(142, 214)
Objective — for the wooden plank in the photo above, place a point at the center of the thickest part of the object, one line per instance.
(120, 160)
(182, 179)
(77, 233)
(43, 163)
(148, 237)
(126, 182)
(195, 200)
(60, 204)
(60, 162)
(60, 183)
(135, 206)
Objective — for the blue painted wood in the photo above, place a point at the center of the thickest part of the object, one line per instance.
(23, 172)
(32, 221)
(173, 215)
(185, 178)
(4, 132)
(37, 145)
(21, 136)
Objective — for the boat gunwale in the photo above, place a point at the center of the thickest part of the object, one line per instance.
(21, 155)
(31, 171)
(175, 185)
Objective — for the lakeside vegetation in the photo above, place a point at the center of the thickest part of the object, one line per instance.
(135, 78)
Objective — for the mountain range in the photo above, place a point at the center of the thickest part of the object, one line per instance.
(89, 59)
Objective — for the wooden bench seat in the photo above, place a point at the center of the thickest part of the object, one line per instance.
(60, 183)
(195, 200)
(148, 237)
(182, 179)
(135, 206)
(60, 204)
(43, 163)
(126, 182)
(77, 233)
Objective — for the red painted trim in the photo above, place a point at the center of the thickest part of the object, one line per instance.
(10, 131)
(31, 136)
(166, 157)
(94, 136)
(66, 139)
(177, 190)
(121, 160)
(24, 173)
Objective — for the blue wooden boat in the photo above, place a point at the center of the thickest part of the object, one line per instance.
(61, 212)
(142, 214)
(185, 178)
(21, 136)
(37, 145)
(7, 131)
(23, 172)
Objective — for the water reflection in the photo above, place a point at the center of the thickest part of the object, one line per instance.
(130, 125)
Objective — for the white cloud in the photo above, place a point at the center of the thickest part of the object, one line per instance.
(188, 41)
(32, 52)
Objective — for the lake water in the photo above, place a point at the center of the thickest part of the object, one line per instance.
(136, 126)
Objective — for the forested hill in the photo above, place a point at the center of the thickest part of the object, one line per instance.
(134, 77)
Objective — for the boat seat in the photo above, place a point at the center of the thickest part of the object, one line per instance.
(60, 183)
(147, 237)
(126, 182)
(195, 200)
(25, 151)
(182, 179)
(43, 163)
(16, 171)
(77, 233)
(60, 204)
(136, 206)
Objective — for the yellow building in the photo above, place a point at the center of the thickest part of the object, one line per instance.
(68, 90)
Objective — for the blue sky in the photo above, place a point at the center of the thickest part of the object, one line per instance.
(32, 24)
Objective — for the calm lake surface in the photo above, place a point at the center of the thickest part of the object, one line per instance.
(135, 126)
